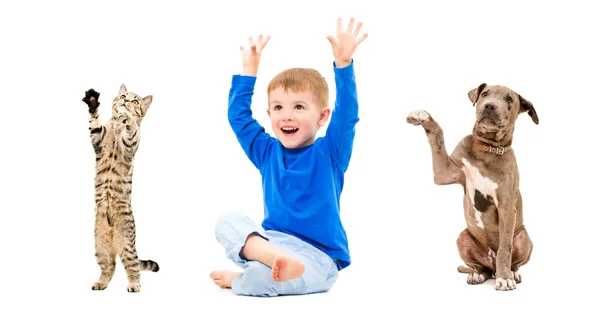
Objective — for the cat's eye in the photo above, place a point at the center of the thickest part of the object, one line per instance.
(122, 97)
(135, 101)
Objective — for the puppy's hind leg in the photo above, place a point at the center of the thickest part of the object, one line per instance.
(521, 252)
(480, 263)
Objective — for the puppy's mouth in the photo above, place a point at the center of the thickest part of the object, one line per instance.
(488, 124)
(487, 121)
(288, 130)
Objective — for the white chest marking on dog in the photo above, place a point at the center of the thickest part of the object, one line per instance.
(475, 181)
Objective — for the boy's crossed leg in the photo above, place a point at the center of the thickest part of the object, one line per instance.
(278, 265)
(283, 266)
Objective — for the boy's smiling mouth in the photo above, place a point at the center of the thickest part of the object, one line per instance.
(288, 130)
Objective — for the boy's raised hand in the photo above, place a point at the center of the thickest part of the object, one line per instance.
(251, 54)
(345, 43)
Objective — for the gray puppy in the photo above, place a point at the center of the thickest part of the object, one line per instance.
(495, 242)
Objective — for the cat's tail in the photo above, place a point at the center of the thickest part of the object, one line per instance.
(148, 265)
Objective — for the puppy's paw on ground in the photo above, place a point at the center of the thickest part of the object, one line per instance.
(477, 278)
(517, 277)
(505, 284)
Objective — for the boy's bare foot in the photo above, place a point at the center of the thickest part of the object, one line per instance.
(223, 279)
(286, 268)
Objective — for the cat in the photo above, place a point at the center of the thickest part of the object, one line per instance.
(115, 144)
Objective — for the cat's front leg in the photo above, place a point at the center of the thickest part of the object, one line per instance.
(97, 130)
(127, 130)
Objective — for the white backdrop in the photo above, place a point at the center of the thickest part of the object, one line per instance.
(189, 168)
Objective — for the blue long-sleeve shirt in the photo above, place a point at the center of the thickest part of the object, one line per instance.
(302, 186)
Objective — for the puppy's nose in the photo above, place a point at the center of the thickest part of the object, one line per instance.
(489, 107)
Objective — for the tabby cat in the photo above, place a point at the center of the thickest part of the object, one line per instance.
(115, 144)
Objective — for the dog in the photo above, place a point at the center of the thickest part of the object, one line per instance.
(495, 242)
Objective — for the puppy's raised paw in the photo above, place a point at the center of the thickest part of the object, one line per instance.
(418, 117)
(505, 284)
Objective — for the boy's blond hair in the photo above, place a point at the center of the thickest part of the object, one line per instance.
(302, 79)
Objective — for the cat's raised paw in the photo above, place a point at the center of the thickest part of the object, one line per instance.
(91, 99)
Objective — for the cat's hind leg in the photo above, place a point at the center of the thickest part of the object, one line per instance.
(105, 254)
(128, 254)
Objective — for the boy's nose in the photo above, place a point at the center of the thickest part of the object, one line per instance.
(287, 115)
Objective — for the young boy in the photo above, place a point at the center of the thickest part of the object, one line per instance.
(302, 244)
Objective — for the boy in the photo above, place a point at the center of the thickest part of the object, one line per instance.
(303, 244)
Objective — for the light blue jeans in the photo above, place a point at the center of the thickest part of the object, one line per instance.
(320, 270)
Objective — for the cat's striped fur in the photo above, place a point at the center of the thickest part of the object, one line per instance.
(115, 144)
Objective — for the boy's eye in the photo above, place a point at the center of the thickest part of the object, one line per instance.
(135, 101)
(277, 107)
(122, 97)
(299, 107)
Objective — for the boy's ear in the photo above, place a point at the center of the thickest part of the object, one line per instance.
(269, 112)
(324, 116)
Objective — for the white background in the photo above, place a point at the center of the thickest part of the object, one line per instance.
(189, 168)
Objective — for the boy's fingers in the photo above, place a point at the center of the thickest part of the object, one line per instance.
(250, 40)
(331, 39)
(363, 37)
(339, 25)
(358, 26)
(265, 41)
(350, 25)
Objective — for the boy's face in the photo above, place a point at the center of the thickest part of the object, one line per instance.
(295, 118)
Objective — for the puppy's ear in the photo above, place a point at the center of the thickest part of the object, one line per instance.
(527, 106)
(474, 93)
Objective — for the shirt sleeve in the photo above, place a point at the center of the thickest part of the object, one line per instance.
(250, 134)
(344, 117)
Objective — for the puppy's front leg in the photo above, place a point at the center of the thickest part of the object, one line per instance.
(505, 279)
(445, 171)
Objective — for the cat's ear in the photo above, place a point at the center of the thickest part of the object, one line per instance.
(123, 89)
(147, 101)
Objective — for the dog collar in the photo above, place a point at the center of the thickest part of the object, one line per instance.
(499, 150)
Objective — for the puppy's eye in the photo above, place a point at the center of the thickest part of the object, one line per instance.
(122, 97)
(135, 101)
(509, 99)
(484, 94)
